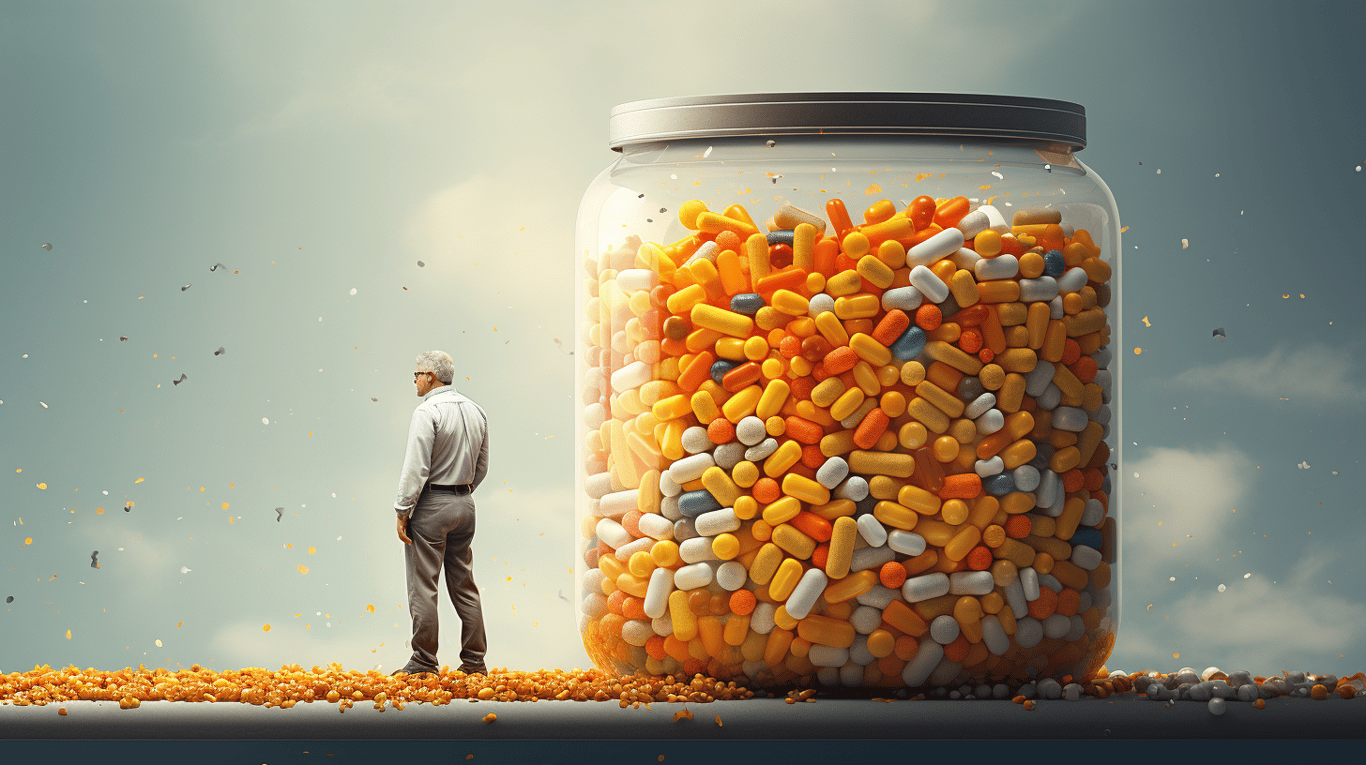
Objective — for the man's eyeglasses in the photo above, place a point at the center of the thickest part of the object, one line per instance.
(419, 374)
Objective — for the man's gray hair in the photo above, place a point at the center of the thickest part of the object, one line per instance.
(438, 362)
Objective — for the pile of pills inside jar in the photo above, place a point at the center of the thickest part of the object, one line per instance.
(875, 454)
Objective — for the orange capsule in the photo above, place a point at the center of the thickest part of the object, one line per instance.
(921, 212)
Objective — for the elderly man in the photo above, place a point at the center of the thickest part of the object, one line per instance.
(447, 458)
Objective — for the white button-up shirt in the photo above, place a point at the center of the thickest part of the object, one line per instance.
(448, 443)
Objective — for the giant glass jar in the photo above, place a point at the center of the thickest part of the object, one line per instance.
(847, 392)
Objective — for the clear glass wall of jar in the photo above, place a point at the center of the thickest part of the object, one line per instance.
(848, 407)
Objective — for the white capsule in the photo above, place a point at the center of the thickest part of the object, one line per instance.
(612, 533)
(657, 592)
(1038, 290)
(750, 430)
(791, 217)
(761, 620)
(925, 586)
(637, 279)
(1072, 280)
(871, 557)
(1093, 514)
(981, 404)
(906, 298)
(664, 625)
(931, 286)
(995, 220)
(999, 267)
(904, 542)
(691, 468)
(833, 471)
(668, 486)
(1038, 378)
(1055, 309)
(1028, 632)
(965, 259)
(855, 487)
(594, 415)
(693, 576)
(598, 485)
(804, 595)
(656, 526)
(1070, 418)
(990, 422)
(994, 635)
(819, 304)
(695, 440)
(707, 251)
(1051, 582)
(860, 656)
(971, 583)
(595, 605)
(1085, 557)
(973, 223)
(696, 550)
(872, 531)
(1100, 415)
(827, 656)
(1026, 478)
(985, 468)
(1050, 398)
(668, 507)
(1056, 626)
(1029, 580)
(619, 503)
(934, 249)
(761, 450)
(865, 619)
(1014, 592)
(731, 575)
(625, 552)
(944, 629)
(918, 669)
(717, 522)
(878, 597)
(633, 375)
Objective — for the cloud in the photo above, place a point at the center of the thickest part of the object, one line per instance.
(1314, 372)
(379, 92)
(1190, 491)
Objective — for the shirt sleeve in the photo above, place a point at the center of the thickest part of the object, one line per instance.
(481, 465)
(417, 460)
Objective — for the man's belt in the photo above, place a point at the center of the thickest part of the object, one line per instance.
(454, 488)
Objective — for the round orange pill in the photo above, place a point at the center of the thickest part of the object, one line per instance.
(980, 558)
(719, 431)
(892, 574)
(970, 341)
(1045, 605)
(766, 490)
(928, 317)
(742, 602)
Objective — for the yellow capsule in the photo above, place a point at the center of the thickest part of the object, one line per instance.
(730, 348)
(918, 499)
(944, 401)
(851, 586)
(880, 211)
(784, 621)
(846, 404)
(962, 542)
(703, 406)
(896, 515)
(684, 620)
(793, 542)
(842, 538)
(771, 402)
(843, 283)
(718, 483)
(931, 416)
(790, 303)
(804, 489)
(671, 408)
(765, 564)
(782, 510)
(742, 404)
(632, 585)
(785, 578)
(859, 306)
(683, 300)
(936, 533)
(964, 288)
(939, 350)
(720, 320)
(822, 630)
(837, 443)
(688, 212)
(875, 271)
(882, 463)
(830, 510)
(1067, 523)
(1018, 453)
(866, 378)
(714, 223)
(831, 329)
(1021, 360)
(804, 247)
(827, 391)
(870, 350)
(967, 611)
(785, 457)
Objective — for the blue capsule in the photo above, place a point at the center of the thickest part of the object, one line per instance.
(999, 485)
(695, 503)
(720, 368)
(747, 303)
(1086, 536)
(910, 344)
(783, 236)
(1053, 263)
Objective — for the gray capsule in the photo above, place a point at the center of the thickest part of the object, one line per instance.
(970, 388)
(1070, 418)
(1026, 478)
(871, 557)
(855, 487)
(1036, 382)
(832, 472)
(684, 530)
(761, 450)
(981, 404)
(728, 455)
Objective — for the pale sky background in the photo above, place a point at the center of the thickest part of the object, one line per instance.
(313, 148)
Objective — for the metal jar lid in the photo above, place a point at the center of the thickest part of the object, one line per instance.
(1061, 123)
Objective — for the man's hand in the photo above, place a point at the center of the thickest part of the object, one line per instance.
(403, 529)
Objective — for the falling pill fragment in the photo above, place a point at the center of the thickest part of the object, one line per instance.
(121, 338)
(420, 264)
(220, 351)
(184, 569)
(10, 599)
(182, 289)
(1219, 335)
(265, 420)
(353, 290)
(279, 513)
(1185, 243)
(182, 379)
(95, 559)
(217, 266)
(47, 246)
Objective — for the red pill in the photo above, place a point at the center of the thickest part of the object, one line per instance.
(972, 315)
(815, 348)
(812, 456)
(803, 430)
(1071, 352)
(840, 360)
(928, 317)
(872, 427)
(719, 431)
(921, 212)
(780, 256)
(970, 341)
(891, 326)
(813, 526)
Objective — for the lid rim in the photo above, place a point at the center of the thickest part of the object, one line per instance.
(950, 114)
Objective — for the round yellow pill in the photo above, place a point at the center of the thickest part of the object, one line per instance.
(815, 282)
(855, 244)
(945, 448)
(775, 426)
(955, 511)
(913, 435)
(1031, 265)
(756, 348)
(688, 212)
(725, 546)
(664, 553)
(641, 564)
(987, 244)
(744, 474)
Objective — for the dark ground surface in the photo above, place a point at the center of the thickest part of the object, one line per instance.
(1121, 728)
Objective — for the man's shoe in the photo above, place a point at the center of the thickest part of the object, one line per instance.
(413, 669)
(473, 670)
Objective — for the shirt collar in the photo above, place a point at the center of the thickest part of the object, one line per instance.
(441, 389)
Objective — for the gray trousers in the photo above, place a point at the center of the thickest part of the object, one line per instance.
(442, 527)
